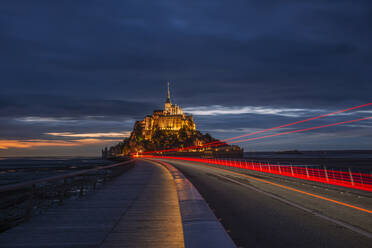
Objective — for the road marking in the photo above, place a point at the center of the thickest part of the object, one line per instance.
(343, 224)
(338, 222)
(296, 190)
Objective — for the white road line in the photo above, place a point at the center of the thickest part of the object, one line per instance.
(338, 222)
(343, 224)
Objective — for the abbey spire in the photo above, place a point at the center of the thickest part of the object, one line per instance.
(169, 95)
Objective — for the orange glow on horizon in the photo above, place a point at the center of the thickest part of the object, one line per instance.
(29, 144)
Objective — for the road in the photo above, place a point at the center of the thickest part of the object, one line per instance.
(263, 211)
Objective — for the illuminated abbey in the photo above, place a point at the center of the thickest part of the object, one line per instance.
(170, 128)
(171, 118)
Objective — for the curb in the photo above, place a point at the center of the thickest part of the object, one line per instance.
(200, 226)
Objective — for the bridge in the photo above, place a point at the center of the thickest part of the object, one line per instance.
(153, 204)
(156, 199)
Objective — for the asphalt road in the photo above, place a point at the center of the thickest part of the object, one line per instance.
(259, 214)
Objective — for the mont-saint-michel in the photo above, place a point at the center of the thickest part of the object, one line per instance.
(289, 82)
(170, 128)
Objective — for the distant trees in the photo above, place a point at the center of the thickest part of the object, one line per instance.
(138, 133)
(182, 134)
(161, 139)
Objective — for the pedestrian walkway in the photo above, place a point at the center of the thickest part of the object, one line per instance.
(138, 209)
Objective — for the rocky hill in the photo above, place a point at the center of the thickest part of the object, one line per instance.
(169, 128)
(160, 140)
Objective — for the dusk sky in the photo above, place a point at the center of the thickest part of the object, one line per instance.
(76, 74)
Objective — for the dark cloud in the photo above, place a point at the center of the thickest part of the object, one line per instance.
(66, 106)
(112, 58)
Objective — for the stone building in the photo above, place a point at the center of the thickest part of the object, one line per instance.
(146, 136)
(171, 118)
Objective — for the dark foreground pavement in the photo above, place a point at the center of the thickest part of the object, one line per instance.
(137, 209)
(262, 215)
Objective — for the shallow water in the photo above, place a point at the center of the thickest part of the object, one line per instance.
(15, 170)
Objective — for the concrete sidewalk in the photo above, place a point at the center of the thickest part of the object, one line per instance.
(137, 209)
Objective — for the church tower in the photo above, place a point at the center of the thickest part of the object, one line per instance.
(168, 96)
(171, 118)
(168, 103)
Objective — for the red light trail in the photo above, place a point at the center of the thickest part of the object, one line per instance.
(222, 142)
(294, 123)
(301, 130)
(294, 189)
(360, 181)
(268, 136)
